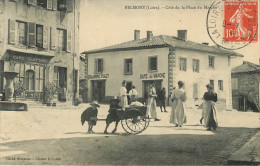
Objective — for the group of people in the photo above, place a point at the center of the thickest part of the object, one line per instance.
(178, 116)
(178, 113)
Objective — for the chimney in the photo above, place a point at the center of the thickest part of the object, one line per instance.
(149, 35)
(205, 43)
(182, 34)
(137, 34)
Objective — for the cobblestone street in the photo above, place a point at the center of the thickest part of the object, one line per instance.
(55, 136)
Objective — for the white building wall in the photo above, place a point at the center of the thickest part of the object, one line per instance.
(114, 66)
(221, 71)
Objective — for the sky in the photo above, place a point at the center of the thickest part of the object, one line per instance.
(106, 22)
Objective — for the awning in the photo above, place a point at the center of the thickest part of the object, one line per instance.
(30, 52)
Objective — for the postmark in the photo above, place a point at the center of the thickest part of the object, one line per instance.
(233, 24)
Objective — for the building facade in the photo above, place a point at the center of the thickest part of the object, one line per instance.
(161, 59)
(39, 40)
(246, 87)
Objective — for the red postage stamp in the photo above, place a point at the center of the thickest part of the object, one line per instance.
(240, 21)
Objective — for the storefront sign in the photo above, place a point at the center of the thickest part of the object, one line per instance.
(29, 59)
(98, 76)
(152, 76)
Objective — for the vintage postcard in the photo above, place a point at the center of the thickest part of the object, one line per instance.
(129, 82)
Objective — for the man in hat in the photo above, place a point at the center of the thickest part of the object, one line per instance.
(90, 115)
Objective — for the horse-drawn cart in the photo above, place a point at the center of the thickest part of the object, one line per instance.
(134, 119)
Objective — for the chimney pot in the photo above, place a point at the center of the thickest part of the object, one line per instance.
(205, 43)
(182, 34)
(137, 34)
(149, 35)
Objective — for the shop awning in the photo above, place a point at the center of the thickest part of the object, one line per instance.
(30, 52)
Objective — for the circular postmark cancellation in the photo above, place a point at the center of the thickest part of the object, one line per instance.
(233, 24)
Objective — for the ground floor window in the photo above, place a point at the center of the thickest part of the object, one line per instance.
(31, 77)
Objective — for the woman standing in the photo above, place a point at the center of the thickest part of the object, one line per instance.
(209, 109)
(151, 103)
(123, 95)
(178, 116)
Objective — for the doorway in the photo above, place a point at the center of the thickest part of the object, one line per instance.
(98, 90)
(147, 83)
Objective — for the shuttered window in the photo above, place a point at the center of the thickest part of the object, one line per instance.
(211, 61)
(128, 66)
(61, 44)
(183, 64)
(11, 34)
(220, 85)
(31, 34)
(49, 4)
(54, 4)
(98, 65)
(196, 65)
(69, 5)
(152, 63)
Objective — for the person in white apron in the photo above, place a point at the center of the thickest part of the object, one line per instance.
(123, 95)
(151, 103)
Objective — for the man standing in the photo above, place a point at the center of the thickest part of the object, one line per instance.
(161, 99)
(133, 94)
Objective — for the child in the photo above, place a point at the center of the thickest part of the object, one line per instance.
(90, 115)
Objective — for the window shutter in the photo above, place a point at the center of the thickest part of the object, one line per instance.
(54, 4)
(45, 37)
(69, 4)
(102, 65)
(49, 4)
(149, 63)
(11, 31)
(68, 41)
(124, 65)
(31, 34)
(53, 38)
(96, 65)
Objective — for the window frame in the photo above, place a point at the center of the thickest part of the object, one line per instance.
(150, 65)
(180, 64)
(37, 33)
(220, 85)
(125, 66)
(96, 65)
(196, 67)
(25, 32)
(211, 61)
(64, 46)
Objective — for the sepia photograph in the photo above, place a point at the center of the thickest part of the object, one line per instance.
(129, 82)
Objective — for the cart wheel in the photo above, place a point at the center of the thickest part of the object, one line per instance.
(135, 125)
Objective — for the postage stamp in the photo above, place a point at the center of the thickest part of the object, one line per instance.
(233, 24)
(240, 21)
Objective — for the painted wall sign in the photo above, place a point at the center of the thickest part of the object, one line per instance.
(29, 59)
(152, 75)
(98, 76)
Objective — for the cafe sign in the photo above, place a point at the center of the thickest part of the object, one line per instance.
(152, 76)
(98, 76)
(29, 59)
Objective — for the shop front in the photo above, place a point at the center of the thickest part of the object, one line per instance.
(31, 69)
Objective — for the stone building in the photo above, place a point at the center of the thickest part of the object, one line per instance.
(39, 40)
(246, 87)
(161, 59)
